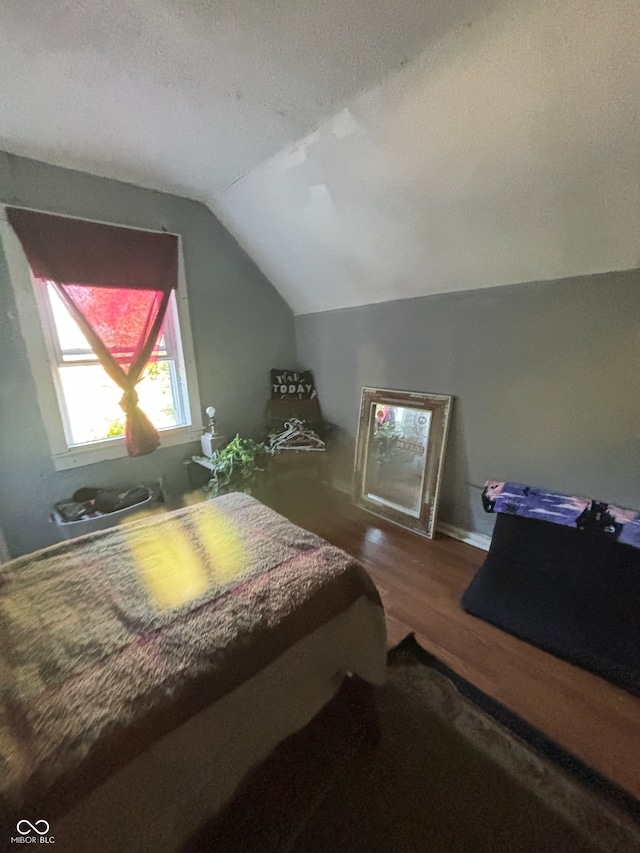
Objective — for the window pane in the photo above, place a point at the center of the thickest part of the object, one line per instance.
(92, 400)
(161, 347)
(73, 344)
(159, 396)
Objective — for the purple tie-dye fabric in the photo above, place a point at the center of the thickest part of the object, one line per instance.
(584, 513)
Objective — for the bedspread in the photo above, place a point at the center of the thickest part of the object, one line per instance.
(110, 641)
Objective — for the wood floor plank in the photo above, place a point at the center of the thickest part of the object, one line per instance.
(421, 583)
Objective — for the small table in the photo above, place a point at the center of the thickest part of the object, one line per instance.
(283, 465)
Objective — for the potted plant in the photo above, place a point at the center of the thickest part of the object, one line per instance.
(237, 467)
(384, 440)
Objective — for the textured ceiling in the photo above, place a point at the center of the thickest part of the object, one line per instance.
(360, 151)
(189, 95)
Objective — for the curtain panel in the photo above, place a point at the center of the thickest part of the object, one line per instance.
(116, 283)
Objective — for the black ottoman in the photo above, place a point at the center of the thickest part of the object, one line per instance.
(573, 593)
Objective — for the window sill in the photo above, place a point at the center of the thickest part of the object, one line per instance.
(88, 454)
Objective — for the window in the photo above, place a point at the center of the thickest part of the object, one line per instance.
(88, 398)
(78, 400)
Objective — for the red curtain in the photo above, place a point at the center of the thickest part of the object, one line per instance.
(116, 283)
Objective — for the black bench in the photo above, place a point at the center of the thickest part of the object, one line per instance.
(571, 592)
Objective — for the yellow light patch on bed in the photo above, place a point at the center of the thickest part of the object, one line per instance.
(176, 569)
(221, 542)
(167, 565)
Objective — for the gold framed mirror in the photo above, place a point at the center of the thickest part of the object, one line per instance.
(400, 454)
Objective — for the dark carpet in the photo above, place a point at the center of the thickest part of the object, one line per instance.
(443, 776)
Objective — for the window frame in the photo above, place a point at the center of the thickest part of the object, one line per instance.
(34, 314)
(173, 355)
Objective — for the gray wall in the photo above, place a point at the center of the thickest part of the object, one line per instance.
(241, 328)
(546, 380)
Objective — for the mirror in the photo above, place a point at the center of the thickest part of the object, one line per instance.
(400, 454)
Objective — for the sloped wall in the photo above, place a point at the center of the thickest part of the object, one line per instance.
(506, 152)
(241, 327)
(545, 379)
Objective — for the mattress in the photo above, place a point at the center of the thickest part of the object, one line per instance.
(146, 669)
(570, 592)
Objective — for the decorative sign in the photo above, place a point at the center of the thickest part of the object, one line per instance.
(292, 385)
(412, 447)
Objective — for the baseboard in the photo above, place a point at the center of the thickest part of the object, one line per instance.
(478, 540)
(342, 486)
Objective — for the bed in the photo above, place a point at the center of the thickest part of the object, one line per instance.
(145, 669)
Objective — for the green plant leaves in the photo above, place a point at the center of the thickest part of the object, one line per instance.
(237, 465)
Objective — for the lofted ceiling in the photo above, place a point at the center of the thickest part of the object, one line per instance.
(360, 151)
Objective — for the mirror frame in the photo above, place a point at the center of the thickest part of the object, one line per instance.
(440, 407)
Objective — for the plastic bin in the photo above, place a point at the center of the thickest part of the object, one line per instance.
(100, 520)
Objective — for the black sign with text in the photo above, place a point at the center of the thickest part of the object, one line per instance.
(292, 385)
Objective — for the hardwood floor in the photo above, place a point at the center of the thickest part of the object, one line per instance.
(421, 582)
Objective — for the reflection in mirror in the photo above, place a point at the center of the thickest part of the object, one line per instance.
(394, 475)
(399, 455)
